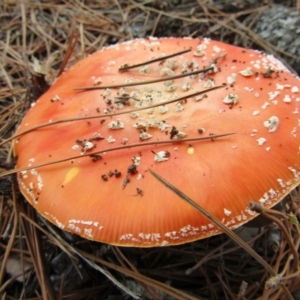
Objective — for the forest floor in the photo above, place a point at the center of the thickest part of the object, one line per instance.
(38, 261)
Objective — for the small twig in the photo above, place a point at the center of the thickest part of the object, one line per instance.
(126, 68)
(108, 115)
(32, 237)
(223, 228)
(54, 241)
(90, 262)
(121, 257)
(12, 279)
(213, 253)
(223, 284)
(257, 207)
(123, 85)
(71, 46)
(175, 293)
(192, 139)
(12, 236)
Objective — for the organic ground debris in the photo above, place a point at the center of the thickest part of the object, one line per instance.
(40, 39)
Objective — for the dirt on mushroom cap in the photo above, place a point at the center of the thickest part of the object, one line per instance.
(259, 163)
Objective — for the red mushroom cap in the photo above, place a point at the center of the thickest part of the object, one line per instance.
(111, 196)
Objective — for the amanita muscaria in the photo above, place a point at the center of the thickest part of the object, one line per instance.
(111, 196)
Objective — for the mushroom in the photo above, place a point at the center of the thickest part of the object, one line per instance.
(101, 188)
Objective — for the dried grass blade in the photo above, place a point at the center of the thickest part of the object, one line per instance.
(34, 246)
(192, 139)
(89, 261)
(224, 229)
(109, 115)
(12, 236)
(125, 68)
(177, 294)
(123, 85)
(71, 46)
